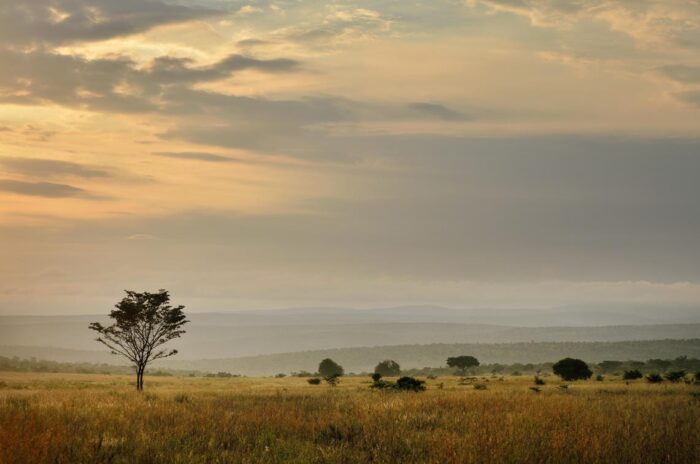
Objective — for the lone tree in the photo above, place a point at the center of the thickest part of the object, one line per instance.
(143, 323)
(462, 363)
(572, 369)
(388, 368)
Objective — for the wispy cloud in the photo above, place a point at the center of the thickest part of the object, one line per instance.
(198, 156)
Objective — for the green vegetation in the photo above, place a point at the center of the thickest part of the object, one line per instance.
(388, 368)
(572, 369)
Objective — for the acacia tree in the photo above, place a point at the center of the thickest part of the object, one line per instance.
(462, 363)
(143, 323)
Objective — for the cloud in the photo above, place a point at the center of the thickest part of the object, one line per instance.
(437, 111)
(111, 84)
(57, 22)
(339, 26)
(681, 73)
(40, 189)
(651, 22)
(199, 156)
(49, 168)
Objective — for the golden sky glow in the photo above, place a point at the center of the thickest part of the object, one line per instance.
(276, 153)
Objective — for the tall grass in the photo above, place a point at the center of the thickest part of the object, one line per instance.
(65, 420)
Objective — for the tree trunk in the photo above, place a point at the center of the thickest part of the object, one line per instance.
(139, 378)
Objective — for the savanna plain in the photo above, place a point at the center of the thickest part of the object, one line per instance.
(87, 418)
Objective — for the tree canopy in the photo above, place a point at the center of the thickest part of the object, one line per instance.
(462, 362)
(388, 368)
(572, 369)
(329, 368)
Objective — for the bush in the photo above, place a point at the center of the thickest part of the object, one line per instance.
(572, 369)
(599, 378)
(410, 384)
(675, 376)
(376, 376)
(314, 381)
(479, 386)
(654, 378)
(388, 368)
(280, 376)
(634, 374)
(697, 377)
(403, 384)
(539, 380)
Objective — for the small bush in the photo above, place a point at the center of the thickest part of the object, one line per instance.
(697, 377)
(634, 374)
(410, 384)
(539, 380)
(314, 381)
(599, 378)
(280, 376)
(675, 376)
(654, 378)
(376, 376)
(479, 386)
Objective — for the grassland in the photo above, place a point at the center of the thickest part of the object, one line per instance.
(79, 418)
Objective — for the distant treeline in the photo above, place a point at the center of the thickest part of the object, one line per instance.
(435, 355)
(16, 364)
(605, 367)
(611, 367)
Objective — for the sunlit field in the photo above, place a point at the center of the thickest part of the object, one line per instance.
(77, 418)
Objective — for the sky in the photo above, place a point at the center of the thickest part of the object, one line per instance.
(285, 153)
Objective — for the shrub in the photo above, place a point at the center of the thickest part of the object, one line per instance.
(410, 384)
(654, 378)
(280, 376)
(634, 374)
(314, 381)
(388, 368)
(479, 386)
(332, 380)
(599, 378)
(675, 376)
(697, 377)
(572, 369)
(376, 376)
(539, 380)
(403, 384)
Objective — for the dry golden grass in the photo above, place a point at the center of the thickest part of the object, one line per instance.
(64, 418)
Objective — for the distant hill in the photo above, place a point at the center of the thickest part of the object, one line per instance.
(223, 335)
(434, 355)
(361, 359)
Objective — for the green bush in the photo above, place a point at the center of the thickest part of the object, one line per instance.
(654, 378)
(675, 376)
(314, 381)
(634, 374)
